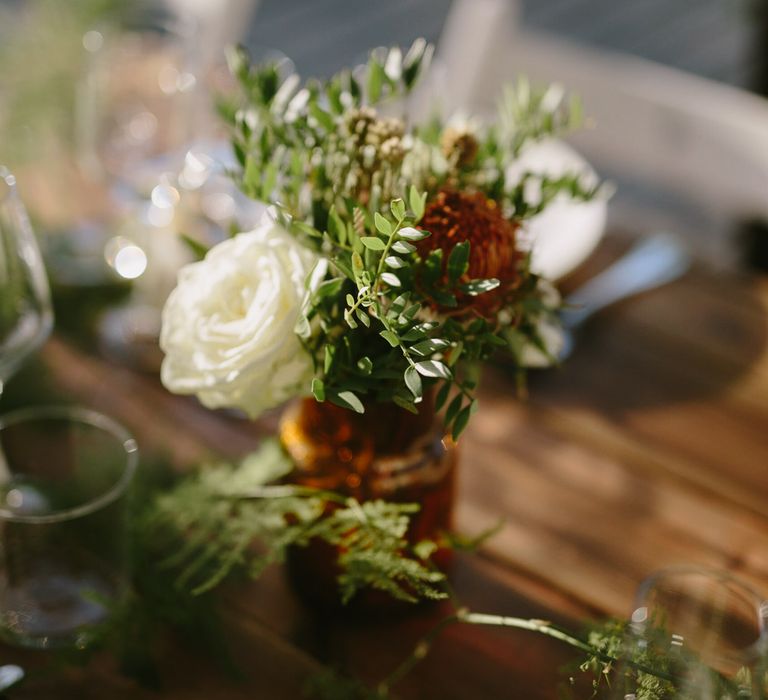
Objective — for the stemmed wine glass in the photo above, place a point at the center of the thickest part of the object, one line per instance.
(695, 634)
(26, 314)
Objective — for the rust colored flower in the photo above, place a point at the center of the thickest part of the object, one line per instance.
(453, 217)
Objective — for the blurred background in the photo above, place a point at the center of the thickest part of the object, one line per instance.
(108, 117)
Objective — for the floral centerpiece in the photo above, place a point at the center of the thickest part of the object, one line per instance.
(393, 263)
(394, 260)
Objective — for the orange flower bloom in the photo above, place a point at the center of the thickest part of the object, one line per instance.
(453, 217)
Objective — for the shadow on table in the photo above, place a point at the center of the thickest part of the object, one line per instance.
(685, 342)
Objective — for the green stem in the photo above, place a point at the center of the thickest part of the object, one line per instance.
(464, 616)
(540, 626)
(385, 253)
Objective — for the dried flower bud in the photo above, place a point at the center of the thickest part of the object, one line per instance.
(459, 145)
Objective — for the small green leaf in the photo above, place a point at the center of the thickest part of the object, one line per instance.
(453, 408)
(391, 338)
(416, 202)
(318, 389)
(363, 317)
(394, 262)
(442, 396)
(302, 327)
(476, 287)
(455, 354)
(398, 209)
(417, 332)
(403, 247)
(329, 288)
(411, 311)
(424, 549)
(391, 279)
(382, 224)
(350, 300)
(458, 261)
(399, 303)
(365, 365)
(461, 422)
(427, 347)
(324, 119)
(330, 352)
(373, 243)
(413, 382)
(336, 227)
(405, 403)
(350, 321)
(346, 399)
(433, 368)
(413, 234)
(269, 181)
(198, 249)
(376, 77)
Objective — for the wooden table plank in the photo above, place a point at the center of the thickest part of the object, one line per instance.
(648, 448)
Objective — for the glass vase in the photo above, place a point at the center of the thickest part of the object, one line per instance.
(385, 453)
(695, 634)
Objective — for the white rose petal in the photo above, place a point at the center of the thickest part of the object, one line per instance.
(228, 326)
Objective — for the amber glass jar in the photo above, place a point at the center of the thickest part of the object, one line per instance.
(385, 453)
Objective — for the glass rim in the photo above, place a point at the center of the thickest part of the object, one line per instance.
(9, 180)
(84, 416)
(750, 595)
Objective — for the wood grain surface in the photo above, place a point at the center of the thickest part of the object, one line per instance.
(648, 448)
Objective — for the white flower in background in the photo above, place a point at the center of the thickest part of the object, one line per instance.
(228, 326)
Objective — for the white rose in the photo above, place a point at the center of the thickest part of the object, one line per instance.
(228, 326)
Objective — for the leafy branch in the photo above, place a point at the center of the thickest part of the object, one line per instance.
(212, 520)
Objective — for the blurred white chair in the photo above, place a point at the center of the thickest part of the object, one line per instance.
(704, 141)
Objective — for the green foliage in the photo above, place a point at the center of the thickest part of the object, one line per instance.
(383, 321)
(213, 520)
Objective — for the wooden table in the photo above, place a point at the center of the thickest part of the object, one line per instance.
(649, 448)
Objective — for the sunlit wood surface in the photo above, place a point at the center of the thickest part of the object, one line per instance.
(649, 448)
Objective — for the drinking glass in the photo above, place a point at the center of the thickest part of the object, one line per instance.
(64, 478)
(695, 634)
(26, 315)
